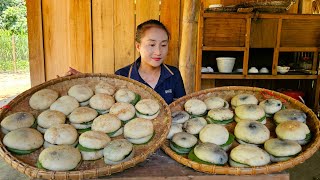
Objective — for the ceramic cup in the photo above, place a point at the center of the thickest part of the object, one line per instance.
(264, 70)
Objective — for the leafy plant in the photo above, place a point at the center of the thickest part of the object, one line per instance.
(13, 25)
(22, 53)
(13, 16)
(7, 66)
(4, 4)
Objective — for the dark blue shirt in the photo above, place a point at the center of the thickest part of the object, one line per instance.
(170, 85)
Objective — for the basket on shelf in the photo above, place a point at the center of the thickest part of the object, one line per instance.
(272, 6)
(221, 9)
(88, 169)
(227, 93)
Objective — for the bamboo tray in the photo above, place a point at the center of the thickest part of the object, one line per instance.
(227, 93)
(87, 169)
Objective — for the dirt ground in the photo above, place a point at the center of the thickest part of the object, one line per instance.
(12, 84)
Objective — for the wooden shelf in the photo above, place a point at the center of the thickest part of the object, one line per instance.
(224, 32)
(222, 76)
(209, 48)
(255, 76)
(264, 16)
(298, 49)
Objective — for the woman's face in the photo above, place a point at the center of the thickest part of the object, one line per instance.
(153, 47)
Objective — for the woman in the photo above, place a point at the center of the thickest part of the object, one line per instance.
(152, 39)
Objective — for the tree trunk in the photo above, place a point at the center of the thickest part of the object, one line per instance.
(188, 47)
(14, 54)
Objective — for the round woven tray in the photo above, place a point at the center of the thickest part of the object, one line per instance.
(227, 93)
(87, 169)
(285, 3)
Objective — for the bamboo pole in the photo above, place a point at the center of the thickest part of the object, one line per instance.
(188, 47)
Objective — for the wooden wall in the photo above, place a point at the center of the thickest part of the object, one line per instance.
(96, 35)
(93, 35)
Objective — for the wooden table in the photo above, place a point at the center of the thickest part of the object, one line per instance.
(157, 167)
(160, 166)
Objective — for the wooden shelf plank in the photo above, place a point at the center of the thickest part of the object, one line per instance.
(260, 76)
(263, 16)
(227, 15)
(210, 48)
(222, 76)
(282, 77)
(290, 16)
(298, 49)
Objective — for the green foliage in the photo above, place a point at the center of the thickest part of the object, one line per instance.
(13, 16)
(5, 45)
(4, 4)
(14, 19)
(13, 24)
(22, 53)
(7, 66)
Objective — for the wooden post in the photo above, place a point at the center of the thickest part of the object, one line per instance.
(36, 42)
(187, 57)
(305, 7)
(14, 54)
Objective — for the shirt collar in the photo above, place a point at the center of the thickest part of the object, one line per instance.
(165, 72)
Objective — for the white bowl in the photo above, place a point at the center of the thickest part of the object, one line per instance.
(239, 70)
(253, 70)
(210, 69)
(225, 64)
(283, 69)
(264, 70)
(204, 69)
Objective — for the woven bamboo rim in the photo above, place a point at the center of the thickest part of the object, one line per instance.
(221, 9)
(227, 93)
(268, 2)
(87, 169)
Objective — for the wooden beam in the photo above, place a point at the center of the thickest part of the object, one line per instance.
(199, 50)
(170, 17)
(35, 42)
(124, 25)
(103, 36)
(305, 7)
(317, 84)
(188, 44)
(80, 42)
(276, 49)
(298, 49)
(210, 48)
(56, 35)
(247, 47)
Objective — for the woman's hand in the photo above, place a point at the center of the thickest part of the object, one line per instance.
(71, 71)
